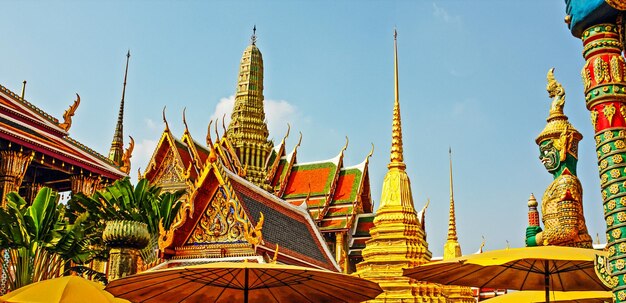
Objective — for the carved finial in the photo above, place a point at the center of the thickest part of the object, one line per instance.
(253, 37)
(370, 153)
(482, 245)
(167, 127)
(397, 158)
(128, 153)
(217, 134)
(556, 91)
(23, 89)
(185, 120)
(139, 176)
(299, 141)
(209, 142)
(69, 113)
(224, 124)
(275, 259)
(343, 149)
(452, 236)
(287, 134)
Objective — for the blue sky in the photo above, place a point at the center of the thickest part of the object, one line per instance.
(472, 76)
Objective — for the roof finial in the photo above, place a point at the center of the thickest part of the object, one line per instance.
(397, 159)
(23, 89)
(253, 38)
(452, 219)
(117, 146)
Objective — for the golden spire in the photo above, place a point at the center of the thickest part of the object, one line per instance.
(397, 159)
(452, 218)
(452, 248)
(398, 238)
(117, 146)
(247, 130)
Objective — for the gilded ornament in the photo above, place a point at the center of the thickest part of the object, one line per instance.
(621, 133)
(617, 159)
(604, 194)
(611, 251)
(609, 111)
(619, 264)
(616, 233)
(599, 71)
(584, 73)
(606, 148)
(617, 4)
(69, 113)
(604, 179)
(615, 173)
(621, 295)
(604, 163)
(594, 120)
(611, 204)
(615, 69)
(608, 135)
(598, 139)
(619, 144)
(621, 216)
(614, 189)
(128, 153)
(609, 221)
(622, 247)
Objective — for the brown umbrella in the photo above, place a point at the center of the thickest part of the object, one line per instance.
(548, 268)
(243, 282)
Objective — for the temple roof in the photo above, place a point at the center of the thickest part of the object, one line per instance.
(25, 124)
(288, 226)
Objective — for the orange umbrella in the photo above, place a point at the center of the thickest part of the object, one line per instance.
(243, 282)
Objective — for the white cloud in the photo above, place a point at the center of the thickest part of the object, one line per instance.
(443, 14)
(277, 114)
(150, 124)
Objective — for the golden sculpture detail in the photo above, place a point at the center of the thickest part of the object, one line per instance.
(617, 4)
(69, 113)
(128, 153)
(561, 206)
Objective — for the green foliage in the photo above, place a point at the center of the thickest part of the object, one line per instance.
(122, 201)
(38, 239)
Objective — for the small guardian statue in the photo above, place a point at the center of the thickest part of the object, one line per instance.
(561, 206)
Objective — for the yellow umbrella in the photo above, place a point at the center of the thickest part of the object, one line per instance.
(535, 296)
(545, 268)
(243, 282)
(70, 289)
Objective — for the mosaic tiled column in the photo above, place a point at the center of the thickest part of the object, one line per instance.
(605, 95)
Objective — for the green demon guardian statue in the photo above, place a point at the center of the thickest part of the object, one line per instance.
(561, 206)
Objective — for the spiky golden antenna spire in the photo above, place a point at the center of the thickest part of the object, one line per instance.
(452, 219)
(397, 159)
(117, 146)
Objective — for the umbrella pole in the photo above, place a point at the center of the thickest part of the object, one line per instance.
(547, 281)
(245, 286)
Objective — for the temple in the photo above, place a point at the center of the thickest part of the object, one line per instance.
(36, 150)
(398, 237)
(326, 204)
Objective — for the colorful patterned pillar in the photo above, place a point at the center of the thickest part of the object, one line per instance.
(605, 95)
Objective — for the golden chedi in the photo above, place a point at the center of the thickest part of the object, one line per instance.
(398, 240)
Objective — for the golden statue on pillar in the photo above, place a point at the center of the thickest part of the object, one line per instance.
(561, 206)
